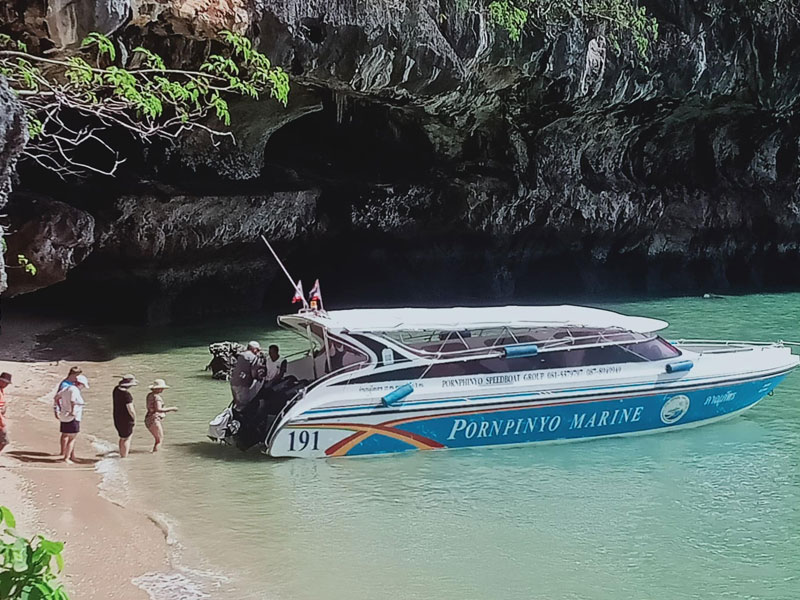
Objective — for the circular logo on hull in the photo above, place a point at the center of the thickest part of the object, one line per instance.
(674, 409)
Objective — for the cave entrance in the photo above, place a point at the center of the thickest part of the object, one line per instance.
(351, 140)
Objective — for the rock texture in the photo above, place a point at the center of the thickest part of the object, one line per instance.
(53, 236)
(13, 135)
(425, 158)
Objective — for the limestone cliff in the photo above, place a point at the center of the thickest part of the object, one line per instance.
(13, 136)
(426, 158)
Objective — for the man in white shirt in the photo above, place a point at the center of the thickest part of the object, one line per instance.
(69, 401)
(275, 366)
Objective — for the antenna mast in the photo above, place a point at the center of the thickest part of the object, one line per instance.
(297, 290)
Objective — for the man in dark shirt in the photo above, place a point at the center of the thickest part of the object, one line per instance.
(124, 413)
(247, 378)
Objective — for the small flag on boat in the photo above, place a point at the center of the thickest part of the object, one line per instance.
(315, 293)
(298, 292)
(315, 297)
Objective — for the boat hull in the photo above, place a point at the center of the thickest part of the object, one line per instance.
(518, 421)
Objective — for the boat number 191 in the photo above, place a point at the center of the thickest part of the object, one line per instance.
(299, 441)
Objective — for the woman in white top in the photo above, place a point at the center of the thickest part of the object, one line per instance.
(69, 403)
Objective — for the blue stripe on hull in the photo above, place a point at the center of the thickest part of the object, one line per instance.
(570, 420)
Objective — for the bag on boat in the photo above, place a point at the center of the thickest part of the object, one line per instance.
(218, 428)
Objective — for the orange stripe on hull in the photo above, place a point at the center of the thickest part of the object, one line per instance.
(363, 431)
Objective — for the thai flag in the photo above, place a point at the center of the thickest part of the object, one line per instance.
(298, 292)
(315, 293)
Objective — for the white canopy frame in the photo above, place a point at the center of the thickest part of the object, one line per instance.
(461, 318)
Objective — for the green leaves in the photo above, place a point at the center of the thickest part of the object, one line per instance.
(625, 18)
(27, 265)
(221, 108)
(26, 565)
(619, 18)
(7, 517)
(79, 72)
(105, 47)
(510, 17)
(9, 43)
(152, 60)
(146, 97)
(252, 74)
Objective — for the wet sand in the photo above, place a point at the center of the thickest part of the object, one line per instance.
(106, 544)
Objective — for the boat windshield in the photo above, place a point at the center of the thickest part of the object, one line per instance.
(327, 354)
(468, 341)
(478, 355)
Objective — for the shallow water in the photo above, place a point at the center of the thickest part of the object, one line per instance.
(712, 512)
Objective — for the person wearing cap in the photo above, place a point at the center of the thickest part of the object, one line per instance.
(124, 412)
(70, 411)
(5, 381)
(156, 411)
(67, 381)
(246, 378)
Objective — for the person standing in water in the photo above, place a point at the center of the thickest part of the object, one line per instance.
(69, 380)
(5, 381)
(124, 413)
(156, 411)
(246, 380)
(70, 412)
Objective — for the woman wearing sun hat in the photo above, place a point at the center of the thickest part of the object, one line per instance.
(156, 412)
(124, 412)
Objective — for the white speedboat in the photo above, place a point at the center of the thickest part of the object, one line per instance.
(382, 381)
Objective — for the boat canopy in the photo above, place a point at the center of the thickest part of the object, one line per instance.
(463, 318)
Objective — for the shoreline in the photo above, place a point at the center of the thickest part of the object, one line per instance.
(113, 548)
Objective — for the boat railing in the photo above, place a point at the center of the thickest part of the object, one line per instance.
(721, 346)
(544, 346)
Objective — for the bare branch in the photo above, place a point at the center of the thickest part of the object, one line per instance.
(71, 104)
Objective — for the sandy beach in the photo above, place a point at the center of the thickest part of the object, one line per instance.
(107, 544)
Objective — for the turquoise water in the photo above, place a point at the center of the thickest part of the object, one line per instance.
(712, 512)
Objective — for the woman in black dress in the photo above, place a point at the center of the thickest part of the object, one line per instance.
(124, 413)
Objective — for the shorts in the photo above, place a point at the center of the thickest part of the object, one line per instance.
(124, 429)
(4, 439)
(73, 426)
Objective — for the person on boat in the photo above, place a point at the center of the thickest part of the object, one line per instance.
(124, 413)
(70, 412)
(5, 381)
(247, 378)
(156, 412)
(276, 368)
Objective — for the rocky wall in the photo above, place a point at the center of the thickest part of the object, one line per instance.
(13, 135)
(426, 158)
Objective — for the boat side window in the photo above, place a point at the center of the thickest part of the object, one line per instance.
(656, 349)
(378, 349)
(454, 369)
(336, 354)
(609, 355)
(653, 349)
